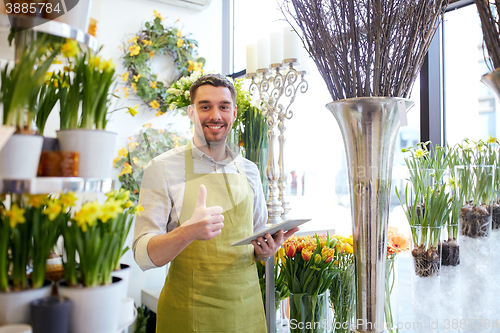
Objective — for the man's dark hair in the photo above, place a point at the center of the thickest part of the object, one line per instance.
(215, 80)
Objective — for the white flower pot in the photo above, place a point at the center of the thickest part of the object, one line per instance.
(96, 150)
(20, 156)
(15, 305)
(95, 309)
(124, 274)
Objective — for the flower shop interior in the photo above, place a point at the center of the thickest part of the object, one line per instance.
(354, 134)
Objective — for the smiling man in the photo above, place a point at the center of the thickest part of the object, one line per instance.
(199, 199)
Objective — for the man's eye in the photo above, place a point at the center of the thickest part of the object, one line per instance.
(205, 107)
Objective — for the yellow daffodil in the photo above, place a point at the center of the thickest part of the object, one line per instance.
(134, 50)
(151, 54)
(133, 110)
(88, 214)
(155, 104)
(180, 42)
(52, 210)
(124, 77)
(137, 77)
(70, 48)
(492, 139)
(127, 168)
(115, 161)
(147, 125)
(138, 210)
(68, 199)
(154, 84)
(110, 210)
(15, 215)
(48, 77)
(56, 83)
(146, 42)
(37, 200)
(420, 153)
(128, 204)
(123, 152)
(57, 61)
(134, 39)
(125, 92)
(157, 14)
(179, 33)
(109, 65)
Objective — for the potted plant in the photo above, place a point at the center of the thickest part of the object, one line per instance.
(30, 229)
(96, 234)
(20, 87)
(82, 127)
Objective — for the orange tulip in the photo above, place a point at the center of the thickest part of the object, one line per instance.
(290, 249)
(306, 254)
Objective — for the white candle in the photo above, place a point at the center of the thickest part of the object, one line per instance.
(277, 47)
(251, 58)
(290, 44)
(263, 53)
(303, 60)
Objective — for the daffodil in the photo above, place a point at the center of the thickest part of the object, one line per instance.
(180, 42)
(155, 104)
(133, 110)
(133, 40)
(492, 139)
(37, 200)
(70, 48)
(110, 210)
(420, 153)
(179, 33)
(128, 204)
(15, 215)
(88, 214)
(137, 77)
(68, 199)
(109, 65)
(53, 209)
(138, 210)
(154, 84)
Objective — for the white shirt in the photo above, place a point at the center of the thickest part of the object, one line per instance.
(162, 194)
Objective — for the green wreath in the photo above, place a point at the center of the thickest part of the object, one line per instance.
(140, 50)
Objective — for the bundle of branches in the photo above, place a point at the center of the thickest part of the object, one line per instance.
(366, 48)
(489, 13)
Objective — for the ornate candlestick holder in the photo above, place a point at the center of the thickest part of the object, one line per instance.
(277, 88)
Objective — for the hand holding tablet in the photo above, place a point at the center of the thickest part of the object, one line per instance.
(285, 226)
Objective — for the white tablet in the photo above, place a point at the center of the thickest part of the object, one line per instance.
(286, 225)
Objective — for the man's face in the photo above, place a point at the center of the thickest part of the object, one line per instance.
(215, 113)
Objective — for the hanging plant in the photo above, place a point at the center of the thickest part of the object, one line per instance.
(139, 52)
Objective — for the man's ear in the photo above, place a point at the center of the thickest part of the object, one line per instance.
(235, 115)
(191, 111)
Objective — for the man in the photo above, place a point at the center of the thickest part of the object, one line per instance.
(197, 200)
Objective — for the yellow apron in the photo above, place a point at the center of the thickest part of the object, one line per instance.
(211, 286)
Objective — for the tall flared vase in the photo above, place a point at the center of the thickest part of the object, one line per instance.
(369, 126)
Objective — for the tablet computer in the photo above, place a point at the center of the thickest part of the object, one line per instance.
(286, 225)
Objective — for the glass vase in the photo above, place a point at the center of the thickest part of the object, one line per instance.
(425, 245)
(342, 297)
(308, 313)
(391, 305)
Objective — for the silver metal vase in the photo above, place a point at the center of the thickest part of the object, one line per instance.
(492, 81)
(369, 126)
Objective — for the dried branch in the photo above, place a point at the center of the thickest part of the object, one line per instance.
(491, 32)
(366, 47)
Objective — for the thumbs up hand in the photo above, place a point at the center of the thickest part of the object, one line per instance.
(206, 223)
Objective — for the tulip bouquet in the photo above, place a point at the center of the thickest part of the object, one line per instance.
(308, 268)
(342, 289)
(29, 230)
(97, 232)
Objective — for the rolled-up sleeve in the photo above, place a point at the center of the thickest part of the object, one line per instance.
(154, 197)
